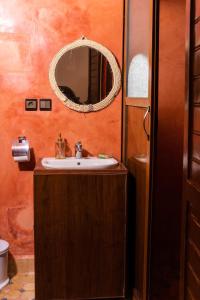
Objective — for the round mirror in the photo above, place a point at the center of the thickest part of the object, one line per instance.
(85, 76)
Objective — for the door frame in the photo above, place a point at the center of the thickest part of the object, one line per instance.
(152, 101)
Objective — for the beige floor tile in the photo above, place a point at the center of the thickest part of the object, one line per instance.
(21, 288)
(13, 294)
(27, 296)
(29, 279)
(28, 286)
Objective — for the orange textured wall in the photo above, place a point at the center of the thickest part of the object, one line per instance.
(31, 32)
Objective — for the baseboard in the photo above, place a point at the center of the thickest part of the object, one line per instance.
(20, 265)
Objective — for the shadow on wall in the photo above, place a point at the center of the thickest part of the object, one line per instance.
(28, 165)
(12, 266)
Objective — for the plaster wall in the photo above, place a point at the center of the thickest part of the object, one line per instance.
(31, 32)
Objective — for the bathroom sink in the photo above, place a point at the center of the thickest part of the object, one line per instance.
(78, 163)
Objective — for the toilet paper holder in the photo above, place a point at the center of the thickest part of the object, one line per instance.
(21, 149)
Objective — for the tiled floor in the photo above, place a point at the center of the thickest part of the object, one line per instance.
(21, 287)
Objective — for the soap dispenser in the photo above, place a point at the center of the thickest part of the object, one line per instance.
(60, 148)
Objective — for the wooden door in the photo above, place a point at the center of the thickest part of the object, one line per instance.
(138, 140)
(190, 283)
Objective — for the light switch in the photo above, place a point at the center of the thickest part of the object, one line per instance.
(45, 104)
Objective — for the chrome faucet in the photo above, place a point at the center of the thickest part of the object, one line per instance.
(78, 150)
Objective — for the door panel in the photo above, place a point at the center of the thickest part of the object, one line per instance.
(196, 147)
(193, 257)
(194, 231)
(197, 35)
(196, 90)
(195, 173)
(190, 284)
(197, 63)
(193, 286)
(196, 9)
(196, 120)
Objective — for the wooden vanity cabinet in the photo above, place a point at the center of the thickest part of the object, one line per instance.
(80, 233)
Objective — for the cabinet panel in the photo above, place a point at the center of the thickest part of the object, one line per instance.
(80, 233)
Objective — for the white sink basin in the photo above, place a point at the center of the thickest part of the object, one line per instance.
(78, 163)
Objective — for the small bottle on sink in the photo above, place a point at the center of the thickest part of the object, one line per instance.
(60, 148)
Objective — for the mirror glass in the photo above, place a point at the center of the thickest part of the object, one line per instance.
(84, 75)
(138, 37)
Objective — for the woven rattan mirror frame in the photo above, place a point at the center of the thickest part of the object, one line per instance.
(114, 68)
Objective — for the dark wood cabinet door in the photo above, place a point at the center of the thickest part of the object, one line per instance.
(80, 236)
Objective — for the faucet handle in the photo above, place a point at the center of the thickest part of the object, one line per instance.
(78, 146)
(78, 149)
(78, 143)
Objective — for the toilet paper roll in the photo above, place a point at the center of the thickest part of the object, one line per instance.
(21, 158)
(21, 150)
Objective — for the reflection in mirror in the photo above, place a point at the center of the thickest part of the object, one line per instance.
(138, 75)
(84, 75)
